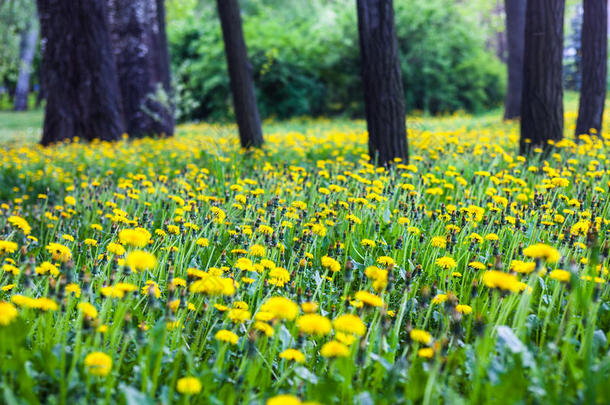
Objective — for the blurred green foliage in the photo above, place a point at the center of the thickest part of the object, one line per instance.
(305, 58)
(15, 18)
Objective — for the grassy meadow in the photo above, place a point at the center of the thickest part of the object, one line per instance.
(186, 270)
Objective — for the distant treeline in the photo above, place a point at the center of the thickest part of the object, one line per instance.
(307, 63)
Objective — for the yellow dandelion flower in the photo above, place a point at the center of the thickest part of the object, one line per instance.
(334, 349)
(426, 353)
(369, 299)
(368, 243)
(226, 336)
(257, 250)
(116, 248)
(349, 323)
(293, 355)
(331, 264)
(87, 309)
(283, 400)
(189, 385)
(500, 280)
(139, 260)
(8, 313)
(310, 307)
(20, 223)
(314, 324)
(7, 247)
(420, 336)
(59, 252)
(385, 261)
(446, 262)
(542, 251)
(137, 237)
(98, 364)
(439, 242)
(561, 275)
(463, 309)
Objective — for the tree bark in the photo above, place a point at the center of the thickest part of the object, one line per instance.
(240, 73)
(80, 79)
(382, 81)
(515, 32)
(140, 50)
(542, 96)
(30, 40)
(594, 67)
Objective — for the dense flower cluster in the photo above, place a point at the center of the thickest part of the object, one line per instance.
(186, 267)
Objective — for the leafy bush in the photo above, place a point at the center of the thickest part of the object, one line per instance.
(308, 62)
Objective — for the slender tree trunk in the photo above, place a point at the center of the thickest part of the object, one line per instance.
(30, 40)
(382, 81)
(140, 48)
(163, 59)
(594, 39)
(79, 73)
(498, 41)
(542, 97)
(515, 32)
(240, 73)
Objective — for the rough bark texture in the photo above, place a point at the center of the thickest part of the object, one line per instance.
(594, 39)
(240, 73)
(382, 81)
(29, 40)
(542, 97)
(140, 49)
(515, 32)
(79, 72)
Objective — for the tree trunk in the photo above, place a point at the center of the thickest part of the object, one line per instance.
(515, 32)
(382, 81)
(30, 40)
(140, 48)
(594, 67)
(240, 73)
(542, 96)
(79, 73)
(497, 41)
(163, 60)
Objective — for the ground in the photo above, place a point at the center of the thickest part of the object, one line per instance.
(186, 269)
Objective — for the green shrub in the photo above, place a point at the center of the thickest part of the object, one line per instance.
(308, 62)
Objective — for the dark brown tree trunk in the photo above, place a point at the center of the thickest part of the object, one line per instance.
(22, 91)
(515, 32)
(382, 81)
(240, 73)
(594, 38)
(79, 72)
(140, 49)
(542, 96)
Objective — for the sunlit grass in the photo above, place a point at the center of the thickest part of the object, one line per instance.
(150, 270)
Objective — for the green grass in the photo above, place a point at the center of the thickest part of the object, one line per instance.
(26, 126)
(409, 252)
(23, 126)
